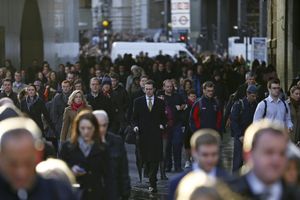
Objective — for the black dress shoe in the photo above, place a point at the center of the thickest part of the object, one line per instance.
(152, 189)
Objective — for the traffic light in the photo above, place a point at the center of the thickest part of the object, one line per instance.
(183, 37)
(106, 25)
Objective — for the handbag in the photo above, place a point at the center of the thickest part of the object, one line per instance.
(130, 137)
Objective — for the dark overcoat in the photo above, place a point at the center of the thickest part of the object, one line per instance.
(35, 112)
(96, 183)
(148, 122)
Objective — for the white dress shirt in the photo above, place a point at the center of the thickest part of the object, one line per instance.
(212, 173)
(258, 187)
(275, 111)
(148, 99)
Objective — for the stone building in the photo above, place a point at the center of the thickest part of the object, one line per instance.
(283, 35)
(39, 29)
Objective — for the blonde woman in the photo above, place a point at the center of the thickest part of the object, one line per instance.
(77, 103)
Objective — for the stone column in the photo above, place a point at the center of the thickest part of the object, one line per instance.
(262, 18)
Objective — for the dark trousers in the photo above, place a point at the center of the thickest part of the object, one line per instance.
(237, 155)
(152, 172)
(174, 147)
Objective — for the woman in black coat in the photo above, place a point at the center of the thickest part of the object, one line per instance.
(35, 107)
(88, 158)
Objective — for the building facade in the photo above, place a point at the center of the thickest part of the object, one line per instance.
(283, 34)
(38, 29)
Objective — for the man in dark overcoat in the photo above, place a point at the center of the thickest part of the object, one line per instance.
(149, 120)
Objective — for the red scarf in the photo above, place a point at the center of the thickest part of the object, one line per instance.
(76, 106)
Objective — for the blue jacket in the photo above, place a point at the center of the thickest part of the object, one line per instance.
(205, 113)
(221, 174)
(241, 116)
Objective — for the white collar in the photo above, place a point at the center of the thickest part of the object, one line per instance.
(148, 98)
(270, 99)
(258, 187)
(212, 173)
(94, 94)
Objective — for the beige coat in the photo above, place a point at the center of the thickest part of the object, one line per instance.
(295, 115)
(68, 117)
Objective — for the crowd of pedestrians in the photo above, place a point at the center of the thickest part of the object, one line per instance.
(84, 112)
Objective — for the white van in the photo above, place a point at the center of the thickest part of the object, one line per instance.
(153, 49)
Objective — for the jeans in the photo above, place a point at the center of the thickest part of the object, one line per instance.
(174, 147)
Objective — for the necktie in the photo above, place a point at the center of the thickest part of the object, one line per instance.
(150, 104)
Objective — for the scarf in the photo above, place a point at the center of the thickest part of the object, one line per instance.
(76, 106)
(30, 101)
(84, 147)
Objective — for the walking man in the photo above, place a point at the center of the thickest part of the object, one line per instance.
(241, 117)
(273, 107)
(149, 120)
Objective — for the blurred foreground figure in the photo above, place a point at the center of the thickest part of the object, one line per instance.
(56, 169)
(8, 109)
(205, 146)
(21, 149)
(198, 185)
(265, 145)
(117, 156)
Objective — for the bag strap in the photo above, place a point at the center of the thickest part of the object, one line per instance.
(242, 106)
(286, 109)
(265, 109)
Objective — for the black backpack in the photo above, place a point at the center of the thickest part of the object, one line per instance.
(242, 108)
(231, 101)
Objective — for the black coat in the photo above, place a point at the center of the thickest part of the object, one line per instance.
(119, 165)
(150, 136)
(101, 102)
(45, 189)
(59, 103)
(96, 183)
(133, 97)
(241, 186)
(36, 111)
(120, 99)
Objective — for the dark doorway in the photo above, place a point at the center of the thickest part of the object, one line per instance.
(31, 34)
(2, 45)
